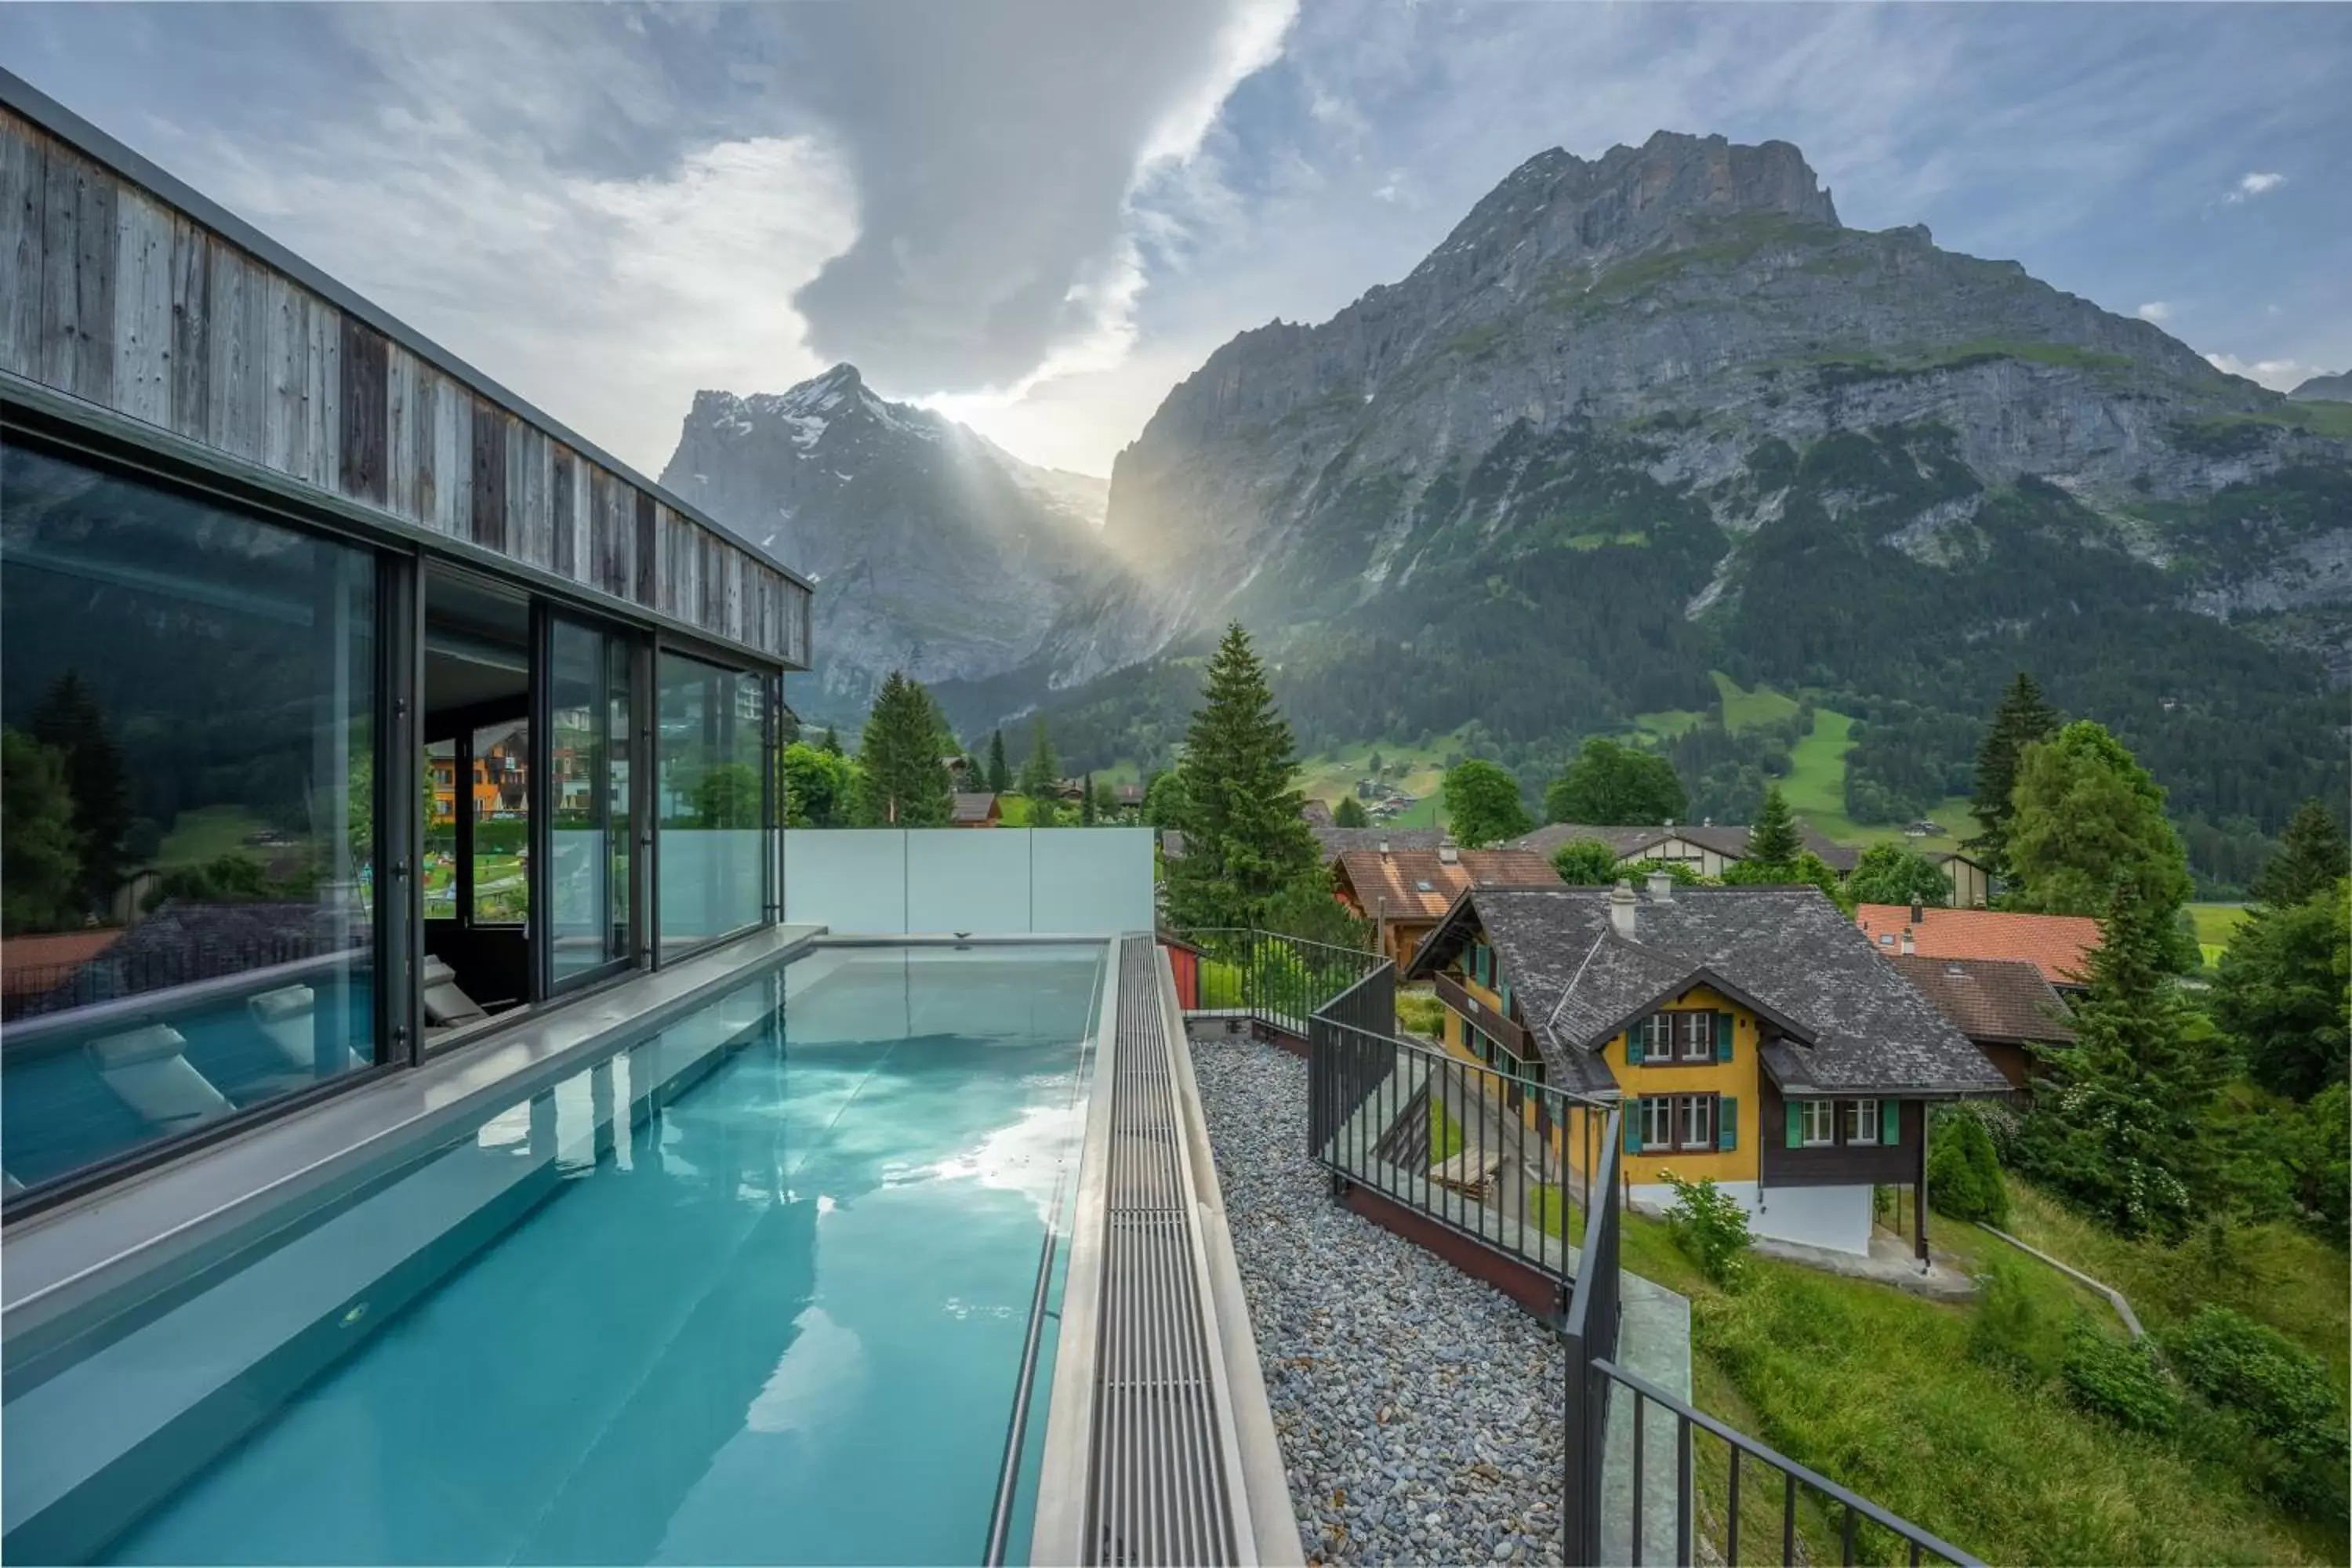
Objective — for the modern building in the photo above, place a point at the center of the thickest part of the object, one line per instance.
(400, 935)
(1750, 1035)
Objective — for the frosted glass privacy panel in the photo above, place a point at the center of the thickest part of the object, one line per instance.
(1090, 880)
(850, 880)
(968, 879)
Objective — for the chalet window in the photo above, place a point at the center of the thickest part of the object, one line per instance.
(1819, 1122)
(1862, 1121)
(1658, 1037)
(1693, 1037)
(1658, 1122)
(1695, 1122)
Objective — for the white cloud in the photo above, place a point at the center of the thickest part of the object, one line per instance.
(2156, 310)
(2256, 184)
(2278, 375)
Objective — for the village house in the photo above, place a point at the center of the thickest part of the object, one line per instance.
(1704, 847)
(1751, 1034)
(1405, 891)
(2059, 946)
(2002, 1004)
(975, 808)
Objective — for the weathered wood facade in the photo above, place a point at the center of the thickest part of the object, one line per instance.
(121, 289)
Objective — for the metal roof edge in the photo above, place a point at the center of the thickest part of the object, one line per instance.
(24, 98)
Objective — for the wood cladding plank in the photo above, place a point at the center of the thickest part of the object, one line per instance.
(284, 429)
(644, 539)
(238, 401)
(488, 514)
(191, 335)
(399, 432)
(23, 184)
(363, 411)
(322, 393)
(563, 543)
(143, 308)
(78, 244)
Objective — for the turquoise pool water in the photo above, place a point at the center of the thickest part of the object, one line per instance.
(774, 1313)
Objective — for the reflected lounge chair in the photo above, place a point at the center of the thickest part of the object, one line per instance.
(289, 1016)
(147, 1071)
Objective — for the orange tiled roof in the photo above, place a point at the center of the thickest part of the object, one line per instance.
(1406, 883)
(2058, 945)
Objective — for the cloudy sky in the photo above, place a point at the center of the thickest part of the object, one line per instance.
(1039, 215)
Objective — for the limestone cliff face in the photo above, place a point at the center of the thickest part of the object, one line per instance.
(932, 548)
(1701, 296)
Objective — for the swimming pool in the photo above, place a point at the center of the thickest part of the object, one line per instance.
(755, 1290)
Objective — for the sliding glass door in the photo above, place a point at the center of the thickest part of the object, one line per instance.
(714, 792)
(590, 827)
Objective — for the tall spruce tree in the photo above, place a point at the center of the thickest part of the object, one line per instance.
(1087, 800)
(1350, 813)
(830, 741)
(999, 777)
(1773, 840)
(69, 721)
(906, 784)
(2022, 718)
(1244, 843)
(2120, 1131)
(2311, 855)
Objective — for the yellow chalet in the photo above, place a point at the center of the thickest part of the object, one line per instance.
(1751, 1034)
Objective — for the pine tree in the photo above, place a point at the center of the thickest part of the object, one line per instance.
(1350, 813)
(2311, 856)
(69, 721)
(40, 854)
(1041, 773)
(830, 741)
(1086, 801)
(905, 784)
(999, 777)
(2023, 718)
(1774, 840)
(2119, 1131)
(1245, 842)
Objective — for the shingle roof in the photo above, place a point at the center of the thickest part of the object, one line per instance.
(1337, 841)
(1852, 1021)
(2059, 945)
(1317, 812)
(1999, 999)
(1631, 843)
(971, 807)
(1402, 883)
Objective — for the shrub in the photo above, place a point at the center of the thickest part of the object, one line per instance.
(1711, 1228)
(2009, 1331)
(1963, 1173)
(2237, 1362)
(2118, 1379)
(1585, 863)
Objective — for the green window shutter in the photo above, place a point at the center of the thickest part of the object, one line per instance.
(1796, 1124)
(1634, 1042)
(1632, 1110)
(1504, 991)
(1727, 1126)
(1890, 1121)
(1723, 1036)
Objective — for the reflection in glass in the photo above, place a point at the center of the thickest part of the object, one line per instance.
(714, 843)
(441, 831)
(588, 885)
(502, 823)
(187, 885)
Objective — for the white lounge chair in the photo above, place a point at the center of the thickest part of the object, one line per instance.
(289, 1016)
(446, 1007)
(147, 1071)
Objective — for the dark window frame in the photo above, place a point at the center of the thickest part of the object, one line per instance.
(1675, 1104)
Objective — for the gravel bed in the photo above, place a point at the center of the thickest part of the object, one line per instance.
(1419, 1410)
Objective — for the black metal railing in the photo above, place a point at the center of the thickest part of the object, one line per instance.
(1589, 1333)
(1797, 1507)
(1491, 1154)
(1276, 980)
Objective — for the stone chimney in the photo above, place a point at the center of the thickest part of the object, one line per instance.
(1909, 946)
(1449, 854)
(1620, 907)
(1662, 888)
(1919, 914)
(1384, 845)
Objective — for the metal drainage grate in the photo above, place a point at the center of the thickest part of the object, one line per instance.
(1161, 1493)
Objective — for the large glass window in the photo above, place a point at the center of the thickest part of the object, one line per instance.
(188, 883)
(501, 809)
(588, 836)
(714, 847)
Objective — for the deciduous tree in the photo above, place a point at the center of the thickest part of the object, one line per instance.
(2089, 818)
(40, 855)
(1609, 783)
(1481, 803)
(1586, 863)
(69, 722)
(1892, 874)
